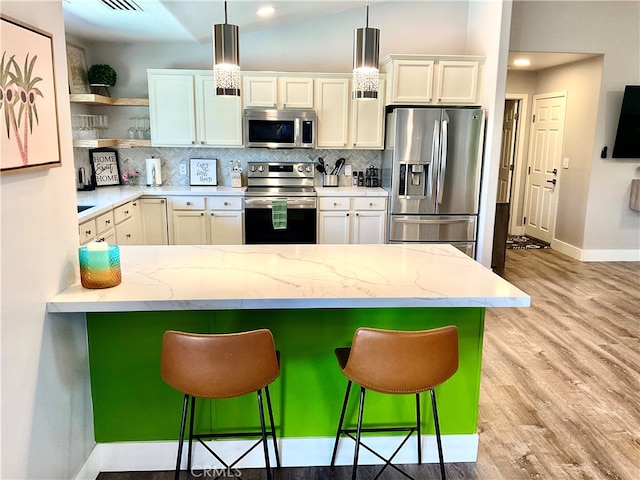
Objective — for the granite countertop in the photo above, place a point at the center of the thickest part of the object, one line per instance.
(103, 199)
(293, 276)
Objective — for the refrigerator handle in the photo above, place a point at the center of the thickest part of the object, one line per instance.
(435, 147)
(443, 159)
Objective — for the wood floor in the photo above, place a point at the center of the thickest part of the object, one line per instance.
(560, 391)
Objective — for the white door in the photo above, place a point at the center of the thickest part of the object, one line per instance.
(545, 151)
(506, 152)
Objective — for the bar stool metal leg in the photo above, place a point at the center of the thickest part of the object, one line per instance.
(265, 443)
(438, 439)
(419, 428)
(344, 409)
(358, 434)
(273, 428)
(193, 411)
(183, 422)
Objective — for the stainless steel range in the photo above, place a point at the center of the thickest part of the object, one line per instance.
(288, 182)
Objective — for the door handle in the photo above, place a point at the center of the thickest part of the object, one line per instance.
(552, 181)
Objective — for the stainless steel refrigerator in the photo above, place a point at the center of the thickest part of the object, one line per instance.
(431, 167)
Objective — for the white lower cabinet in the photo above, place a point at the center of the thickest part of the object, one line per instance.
(87, 231)
(359, 220)
(206, 221)
(188, 226)
(153, 221)
(127, 219)
(226, 221)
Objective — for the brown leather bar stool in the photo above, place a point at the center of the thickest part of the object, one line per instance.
(221, 366)
(396, 362)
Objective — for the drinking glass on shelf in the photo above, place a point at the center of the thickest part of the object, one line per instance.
(132, 131)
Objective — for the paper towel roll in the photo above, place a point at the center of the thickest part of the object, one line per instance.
(154, 172)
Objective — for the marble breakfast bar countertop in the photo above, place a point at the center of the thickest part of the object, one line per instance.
(157, 278)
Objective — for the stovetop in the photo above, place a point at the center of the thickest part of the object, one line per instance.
(280, 179)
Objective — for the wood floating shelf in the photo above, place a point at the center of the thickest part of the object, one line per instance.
(92, 99)
(106, 142)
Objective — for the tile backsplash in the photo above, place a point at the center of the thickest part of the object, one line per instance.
(173, 157)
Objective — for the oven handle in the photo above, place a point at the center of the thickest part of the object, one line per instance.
(292, 202)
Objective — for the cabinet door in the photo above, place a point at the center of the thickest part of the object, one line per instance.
(332, 108)
(128, 232)
(189, 228)
(225, 228)
(333, 227)
(368, 227)
(108, 236)
(172, 109)
(219, 117)
(412, 81)
(260, 92)
(87, 231)
(367, 121)
(457, 82)
(295, 92)
(153, 221)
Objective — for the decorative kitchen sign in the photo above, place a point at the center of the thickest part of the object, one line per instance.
(29, 130)
(104, 167)
(203, 171)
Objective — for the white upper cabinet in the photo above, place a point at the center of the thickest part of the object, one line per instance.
(172, 108)
(433, 80)
(332, 110)
(457, 82)
(367, 121)
(277, 92)
(184, 110)
(219, 117)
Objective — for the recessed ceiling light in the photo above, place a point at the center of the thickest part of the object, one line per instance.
(266, 11)
(521, 62)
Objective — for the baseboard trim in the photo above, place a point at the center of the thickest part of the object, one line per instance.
(91, 467)
(596, 255)
(294, 452)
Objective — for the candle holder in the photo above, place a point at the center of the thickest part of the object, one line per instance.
(100, 268)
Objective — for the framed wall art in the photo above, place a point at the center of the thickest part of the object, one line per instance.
(77, 66)
(203, 171)
(104, 167)
(28, 111)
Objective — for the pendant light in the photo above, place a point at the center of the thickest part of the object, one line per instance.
(366, 47)
(226, 58)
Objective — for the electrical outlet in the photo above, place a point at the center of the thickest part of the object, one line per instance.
(347, 170)
(183, 169)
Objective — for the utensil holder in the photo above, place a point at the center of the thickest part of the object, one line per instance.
(330, 181)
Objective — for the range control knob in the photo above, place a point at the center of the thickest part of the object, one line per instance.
(307, 168)
(253, 168)
(261, 168)
(300, 168)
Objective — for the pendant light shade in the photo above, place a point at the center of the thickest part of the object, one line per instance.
(366, 53)
(226, 58)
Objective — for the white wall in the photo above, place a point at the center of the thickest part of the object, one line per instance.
(612, 28)
(46, 426)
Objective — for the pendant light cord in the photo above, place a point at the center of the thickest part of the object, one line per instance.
(367, 14)
(225, 12)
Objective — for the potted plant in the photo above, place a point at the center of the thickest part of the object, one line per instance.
(102, 75)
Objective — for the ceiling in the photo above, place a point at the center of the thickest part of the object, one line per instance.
(190, 21)
(186, 21)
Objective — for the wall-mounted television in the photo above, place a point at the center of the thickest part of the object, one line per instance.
(627, 143)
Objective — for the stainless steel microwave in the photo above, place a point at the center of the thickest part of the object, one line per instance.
(280, 128)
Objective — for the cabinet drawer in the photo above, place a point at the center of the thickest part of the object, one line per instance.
(87, 231)
(123, 212)
(104, 222)
(334, 203)
(188, 203)
(224, 203)
(370, 203)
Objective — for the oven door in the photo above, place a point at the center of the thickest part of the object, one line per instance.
(258, 222)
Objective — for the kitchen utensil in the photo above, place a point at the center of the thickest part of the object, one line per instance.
(321, 168)
(338, 166)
